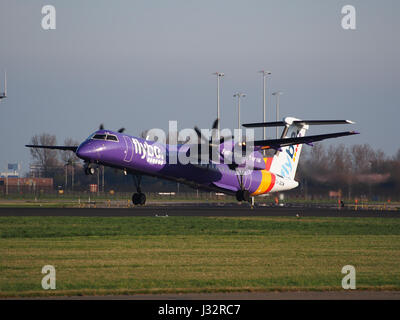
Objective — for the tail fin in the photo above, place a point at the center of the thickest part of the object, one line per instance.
(285, 161)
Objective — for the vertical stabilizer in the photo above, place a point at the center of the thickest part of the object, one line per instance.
(285, 161)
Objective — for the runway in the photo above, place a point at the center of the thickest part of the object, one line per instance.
(203, 210)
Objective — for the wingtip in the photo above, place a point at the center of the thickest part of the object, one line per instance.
(350, 122)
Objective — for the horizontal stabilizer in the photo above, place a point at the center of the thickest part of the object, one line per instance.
(264, 124)
(297, 122)
(278, 143)
(70, 148)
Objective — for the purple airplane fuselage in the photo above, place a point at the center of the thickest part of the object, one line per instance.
(140, 156)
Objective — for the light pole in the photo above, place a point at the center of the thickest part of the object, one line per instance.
(4, 94)
(219, 75)
(277, 94)
(72, 175)
(66, 175)
(265, 74)
(7, 182)
(102, 170)
(239, 95)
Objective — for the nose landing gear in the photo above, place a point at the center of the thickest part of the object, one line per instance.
(90, 169)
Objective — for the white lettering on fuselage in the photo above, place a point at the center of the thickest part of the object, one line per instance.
(286, 169)
(287, 166)
(152, 153)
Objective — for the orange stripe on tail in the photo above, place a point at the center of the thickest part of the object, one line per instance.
(266, 184)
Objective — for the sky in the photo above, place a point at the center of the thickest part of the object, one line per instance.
(139, 64)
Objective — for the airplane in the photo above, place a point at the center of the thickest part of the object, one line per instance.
(4, 94)
(246, 179)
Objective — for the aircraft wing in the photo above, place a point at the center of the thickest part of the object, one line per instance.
(277, 143)
(298, 122)
(70, 148)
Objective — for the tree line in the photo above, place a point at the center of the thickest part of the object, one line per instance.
(355, 171)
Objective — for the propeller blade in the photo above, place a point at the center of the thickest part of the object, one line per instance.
(121, 130)
(227, 138)
(212, 147)
(101, 127)
(214, 130)
(199, 134)
(215, 124)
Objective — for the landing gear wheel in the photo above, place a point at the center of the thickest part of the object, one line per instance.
(139, 198)
(246, 195)
(243, 195)
(90, 170)
(135, 198)
(142, 199)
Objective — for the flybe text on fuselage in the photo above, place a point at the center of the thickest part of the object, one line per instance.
(152, 153)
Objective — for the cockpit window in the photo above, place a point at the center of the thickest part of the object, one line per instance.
(112, 137)
(104, 136)
(99, 137)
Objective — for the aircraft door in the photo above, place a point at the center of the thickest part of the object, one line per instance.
(128, 149)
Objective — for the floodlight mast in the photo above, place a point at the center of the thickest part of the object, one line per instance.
(4, 94)
(238, 96)
(265, 75)
(219, 75)
(277, 94)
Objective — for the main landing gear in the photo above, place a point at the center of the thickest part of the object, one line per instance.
(242, 194)
(139, 197)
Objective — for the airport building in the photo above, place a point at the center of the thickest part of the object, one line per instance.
(11, 184)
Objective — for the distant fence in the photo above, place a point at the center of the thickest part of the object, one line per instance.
(62, 194)
(30, 191)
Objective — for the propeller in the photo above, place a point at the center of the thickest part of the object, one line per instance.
(214, 132)
(101, 127)
(200, 135)
(212, 146)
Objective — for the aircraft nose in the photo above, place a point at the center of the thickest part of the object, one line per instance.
(85, 151)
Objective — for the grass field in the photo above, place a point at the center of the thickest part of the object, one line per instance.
(195, 254)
